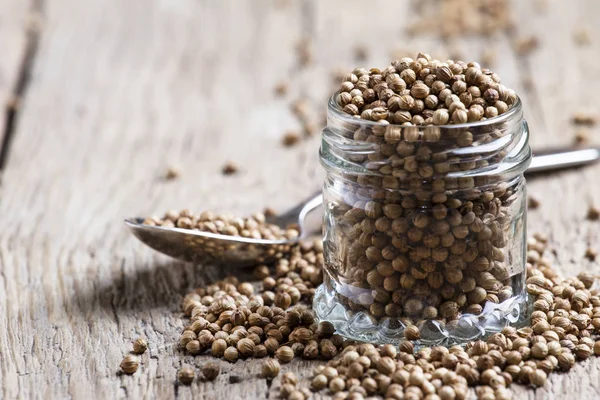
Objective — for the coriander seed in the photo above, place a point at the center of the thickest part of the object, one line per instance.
(218, 348)
(289, 377)
(537, 378)
(284, 354)
(229, 168)
(260, 351)
(211, 370)
(290, 139)
(173, 172)
(336, 385)
(412, 333)
(270, 368)
(130, 364)
(245, 347)
(318, 383)
(231, 354)
(597, 348)
(186, 375)
(140, 346)
(593, 214)
(193, 347)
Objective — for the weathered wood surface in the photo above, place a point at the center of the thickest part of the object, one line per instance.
(118, 90)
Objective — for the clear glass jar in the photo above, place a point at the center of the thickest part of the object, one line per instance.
(424, 226)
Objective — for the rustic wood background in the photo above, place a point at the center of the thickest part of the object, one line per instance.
(101, 96)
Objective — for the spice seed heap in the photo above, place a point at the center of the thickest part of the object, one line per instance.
(565, 318)
(254, 227)
(233, 321)
(423, 239)
(564, 323)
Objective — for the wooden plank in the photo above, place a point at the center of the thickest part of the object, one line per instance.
(123, 89)
(562, 73)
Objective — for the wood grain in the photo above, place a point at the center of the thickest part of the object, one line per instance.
(122, 90)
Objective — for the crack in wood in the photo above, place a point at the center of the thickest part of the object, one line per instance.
(22, 83)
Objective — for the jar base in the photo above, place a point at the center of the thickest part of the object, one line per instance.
(363, 327)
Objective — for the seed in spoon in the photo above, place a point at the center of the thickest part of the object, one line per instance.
(254, 227)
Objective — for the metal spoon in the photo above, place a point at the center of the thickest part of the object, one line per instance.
(210, 248)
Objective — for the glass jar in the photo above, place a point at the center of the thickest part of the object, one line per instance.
(424, 226)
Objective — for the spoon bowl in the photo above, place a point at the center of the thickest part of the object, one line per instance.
(212, 248)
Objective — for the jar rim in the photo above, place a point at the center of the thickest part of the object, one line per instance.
(514, 110)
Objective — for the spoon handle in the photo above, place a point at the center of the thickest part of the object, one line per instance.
(542, 161)
(561, 159)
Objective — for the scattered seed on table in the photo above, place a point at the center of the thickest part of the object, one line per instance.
(173, 172)
(532, 203)
(309, 128)
(290, 139)
(281, 89)
(591, 254)
(597, 348)
(229, 168)
(140, 346)
(397, 369)
(581, 118)
(593, 213)
(289, 377)
(526, 45)
(269, 212)
(582, 137)
(130, 364)
(211, 370)
(300, 109)
(186, 375)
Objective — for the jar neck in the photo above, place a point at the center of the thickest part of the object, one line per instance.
(492, 150)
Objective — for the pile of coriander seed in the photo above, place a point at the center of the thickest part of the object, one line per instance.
(423, 239)
(234, 320)
(207, 249)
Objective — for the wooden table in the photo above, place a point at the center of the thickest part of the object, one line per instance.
(103, 95)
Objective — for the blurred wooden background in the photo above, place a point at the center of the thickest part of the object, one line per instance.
(102, 96)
